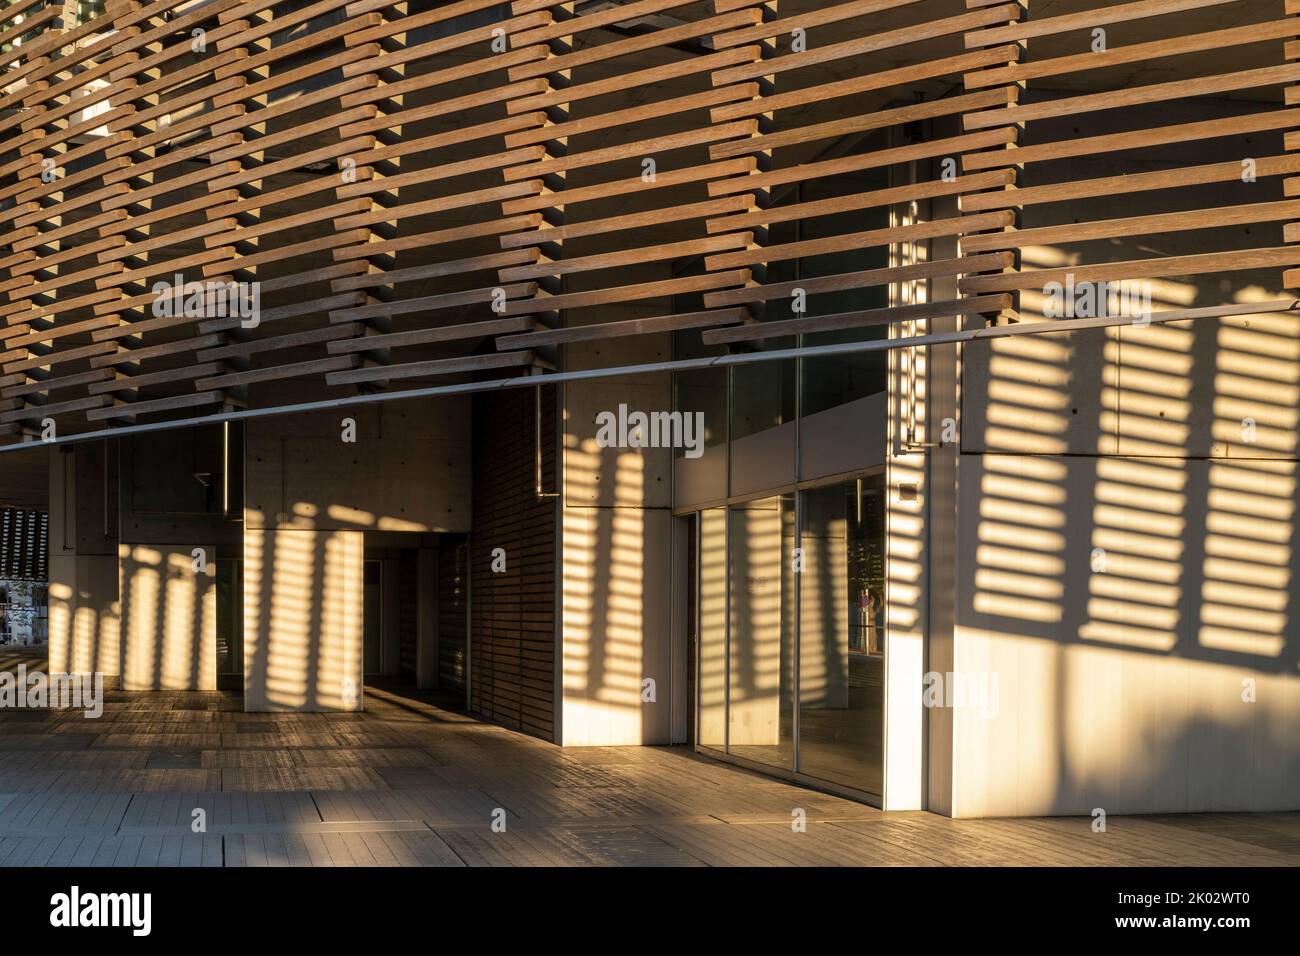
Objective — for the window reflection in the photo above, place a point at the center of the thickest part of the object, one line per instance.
(230, 620)
(759, 598)
(712, 603)
(841, 634)
(761, 662)
(831, 381)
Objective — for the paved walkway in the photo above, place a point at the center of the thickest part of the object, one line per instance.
(412, 783)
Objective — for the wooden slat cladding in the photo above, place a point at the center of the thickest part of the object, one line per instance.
(435, 87)
(44, 267)
(287, 140)
(625, 164)
(431, 191)
(111, 201)
(854, 163)
(513, 611)
(1099, 132)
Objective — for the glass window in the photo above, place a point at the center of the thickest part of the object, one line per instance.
(195, 471)
(835, 380)
(841, 634)
(712, 564)
(761, 662)
(699, 390)
(87, 10)
(703, 391)
(762, 395)
(230, 617)
(763, 426)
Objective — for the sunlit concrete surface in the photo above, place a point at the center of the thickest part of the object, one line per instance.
(413, 782)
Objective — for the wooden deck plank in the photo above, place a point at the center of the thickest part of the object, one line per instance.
(425, 779)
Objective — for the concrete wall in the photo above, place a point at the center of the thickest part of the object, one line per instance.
(84, 615)
(408, 469)
(171, 505)
(84, 610)
(616, 561)
(711, 730)
(302, 620)
(1126, 540)
(169, 618)
(1130, 555)
(1163, 683)
(311, 499)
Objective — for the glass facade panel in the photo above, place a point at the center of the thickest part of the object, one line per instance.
(761, 660)
(763, 426)
(700, 475)
(87, 10)
(791, 664)
(762, 396)
(699, 390)
(230, 617)
(830, 381)
(841, 634)
(712, 603)
(773, 639)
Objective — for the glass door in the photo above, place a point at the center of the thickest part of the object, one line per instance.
(789, 618)
(760, 666)
(841, 634)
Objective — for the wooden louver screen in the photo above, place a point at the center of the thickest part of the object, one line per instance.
(429, 190)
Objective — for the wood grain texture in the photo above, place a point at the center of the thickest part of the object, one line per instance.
(427, 193)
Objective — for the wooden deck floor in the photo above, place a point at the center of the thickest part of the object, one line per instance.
(412, 783)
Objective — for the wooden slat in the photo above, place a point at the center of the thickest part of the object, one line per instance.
(629, 327)
(1102, 15)
(433, 367)
(855, 320)
(1207, 262)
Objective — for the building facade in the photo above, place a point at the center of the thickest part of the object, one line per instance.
(898, 396)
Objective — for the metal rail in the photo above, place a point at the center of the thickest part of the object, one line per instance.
(680, 365)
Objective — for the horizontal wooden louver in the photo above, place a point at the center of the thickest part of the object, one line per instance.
(429, 193)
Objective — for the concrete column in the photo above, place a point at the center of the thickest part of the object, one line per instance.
(616, 568)
(680, 633)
